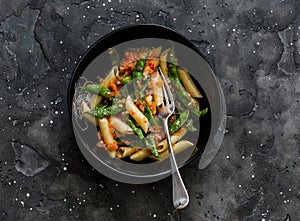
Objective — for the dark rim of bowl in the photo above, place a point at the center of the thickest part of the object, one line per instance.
(81, 63)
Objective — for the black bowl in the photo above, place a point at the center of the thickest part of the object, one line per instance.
(189, 57)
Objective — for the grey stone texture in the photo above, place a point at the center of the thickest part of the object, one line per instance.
(254, 49)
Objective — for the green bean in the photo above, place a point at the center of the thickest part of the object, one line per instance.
(102, 112)
(144, 87)
(139, 68)
(98, 89)
(126, 79)
(114, 56)
(150, 143)
(178, 123)
(172, 68)
(190, 126)
(136, 129)
(186, 100)
(106, 111)
(148, 114)
(203, 112)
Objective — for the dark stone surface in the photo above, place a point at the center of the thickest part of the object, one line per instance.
(254, 48)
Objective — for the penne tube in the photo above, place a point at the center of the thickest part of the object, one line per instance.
(111, 75)
(163, 62)
(154, 52)
(163, 145)
(112, 154)
(136, 114)
(157, 90)
(178, 147)
(85, 108)
(140, 155)
(108, 138)
(196, 102)
(120, 125)
(126, 151)
(95, 100)
(188, 83)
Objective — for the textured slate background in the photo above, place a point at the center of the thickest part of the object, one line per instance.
(254, 48)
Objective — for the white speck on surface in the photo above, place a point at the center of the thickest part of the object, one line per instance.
(189, 30)
(133, 191)
(254, 52)
(56, 112)
(42, 125)
(243, 157)
(30, 208)
(110, 208)
(174, 19)
(103, 4)
(60, 42)
(51, 121)
(253, 176)
(249, 132)
(229, 45)
(227, 157)
(99, 16)
(118, 205)
(280, 193)
(14, 181)
(240, 186)
(83, 16)
(154, 215)
(290, 190)
(65, 168)
(27, 194)
(233, 29)
(22, 202)
(214, 25)
(65, 200)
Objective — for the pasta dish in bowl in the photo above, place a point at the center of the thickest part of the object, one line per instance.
(116, 98)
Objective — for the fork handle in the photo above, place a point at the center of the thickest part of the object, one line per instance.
(180, 195)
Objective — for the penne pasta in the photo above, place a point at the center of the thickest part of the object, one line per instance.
(140, 155)
(136, 114)
(155, 52)
(125, 151)
(163, 62)
(108, 138)
(85, 108)
(157, 90)
(111, 75)
(178, 147)
(119, 125)
(188, 83)
(112, 154)
(163, 145)
(95, 100)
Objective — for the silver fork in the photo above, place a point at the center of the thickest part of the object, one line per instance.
(180, 195)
